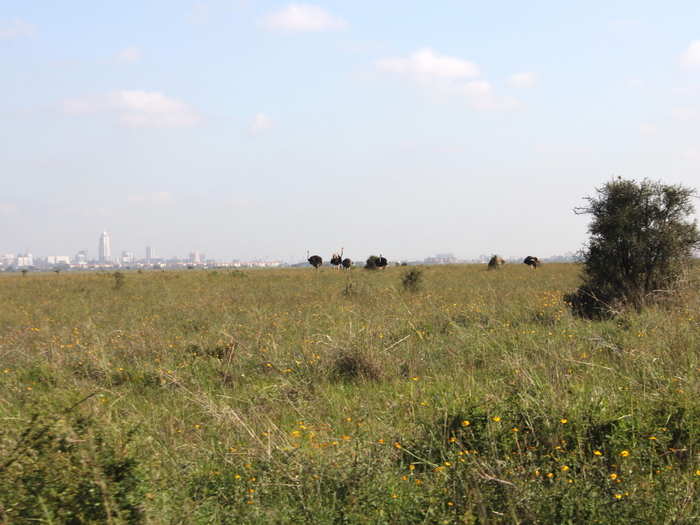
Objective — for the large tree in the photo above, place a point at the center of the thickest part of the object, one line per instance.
(642, 237)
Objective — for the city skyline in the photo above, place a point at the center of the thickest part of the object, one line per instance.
(104, 256)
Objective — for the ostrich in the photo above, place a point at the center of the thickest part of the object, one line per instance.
(314, 260)
(496, 262)
(347, 263)
(382, 262)
(532, 262)
(337, 260)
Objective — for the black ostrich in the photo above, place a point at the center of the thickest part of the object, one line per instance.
(532, 262)
(347, 263)
(382, 262)
(314, 260)
(337, 260)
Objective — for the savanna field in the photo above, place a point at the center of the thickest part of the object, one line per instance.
(331, 397)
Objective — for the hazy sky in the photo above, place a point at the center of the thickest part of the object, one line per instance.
(261, 129)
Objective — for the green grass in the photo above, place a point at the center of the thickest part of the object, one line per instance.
(302, 396)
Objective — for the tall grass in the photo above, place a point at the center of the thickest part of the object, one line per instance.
(297, 396)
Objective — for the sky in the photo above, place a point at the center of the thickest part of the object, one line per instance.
(263, 129)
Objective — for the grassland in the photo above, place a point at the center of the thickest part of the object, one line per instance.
(302, 396)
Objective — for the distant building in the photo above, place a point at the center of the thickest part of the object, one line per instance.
(104, 249)
(58, 259)
(150, 255)
(81, 257)
(442, 258)
(25, 260)
(8, 259)
(128, 258)
(196, 258)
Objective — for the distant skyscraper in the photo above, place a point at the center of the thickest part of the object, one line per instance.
(150, 254)
(104, 249)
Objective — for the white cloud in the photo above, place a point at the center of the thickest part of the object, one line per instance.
(685, 113)
(481, 96)
(139, 109)
(261, 122)
(129, 55)
(477, 88)
(158, 197)
(692, 153)
(303, 18)
(647, 129)
(686, 90)
(690, 59)
(15, 28)
(448, 75)
(7, 209)
(82, 106)
(425, 64)
(146, 109)
(523, 80)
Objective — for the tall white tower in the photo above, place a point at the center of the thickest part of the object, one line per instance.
(104, 249)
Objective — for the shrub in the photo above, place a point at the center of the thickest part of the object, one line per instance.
(66, 471)
(371, 263)
(641, 242)
(349, 365)
(118, 280)
(412, 280)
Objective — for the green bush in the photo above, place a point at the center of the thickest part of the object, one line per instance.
(412, 280)
(67, 471)
(371, 263)
(641, 243)
(118, 280)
